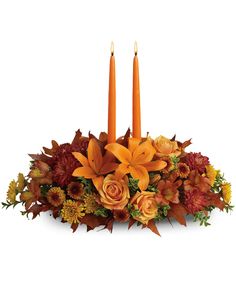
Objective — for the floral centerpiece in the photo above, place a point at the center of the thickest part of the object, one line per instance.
(94, 183)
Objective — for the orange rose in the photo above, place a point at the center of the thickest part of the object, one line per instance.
(166, 147)
(144, 202)
(114, 193)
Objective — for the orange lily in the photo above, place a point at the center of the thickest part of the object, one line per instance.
(136, 160)
(95, 166)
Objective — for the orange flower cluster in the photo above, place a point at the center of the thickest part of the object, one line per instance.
(144, 181)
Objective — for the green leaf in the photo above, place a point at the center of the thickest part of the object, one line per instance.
(202, 218)
(133, 186)
(102, 211)
(175, 160)
(88, 185)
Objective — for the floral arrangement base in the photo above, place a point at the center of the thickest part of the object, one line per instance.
(138, 181)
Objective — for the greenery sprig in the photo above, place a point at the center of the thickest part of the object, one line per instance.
(202, 218)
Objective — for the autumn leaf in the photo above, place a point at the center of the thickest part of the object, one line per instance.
(152, 226)
(77, 137)
(93, 221)
(178, 212)
(36, 209)
(131, 222)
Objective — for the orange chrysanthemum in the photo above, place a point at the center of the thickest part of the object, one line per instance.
(183, 170)
(75, 190)
(56, 196)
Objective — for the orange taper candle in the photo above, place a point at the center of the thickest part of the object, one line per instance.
(112, 99)
(136, 97)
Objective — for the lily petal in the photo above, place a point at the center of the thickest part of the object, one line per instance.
(155, 165)
(94, 155)
(85, 172)
(139, 172)
(108, 167)
(122, 170)
(133, 144)
(98, 182)
(120, 152)
(81, 158)
(143, 153)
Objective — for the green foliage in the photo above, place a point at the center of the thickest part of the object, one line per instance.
(45, 189)
(228, 208)
(133, 186)
(88, 185)
(7, 204)
(175, 160)
(102, 211)
(202, 218)
(162, 212)
(152, 188)
(133, 212)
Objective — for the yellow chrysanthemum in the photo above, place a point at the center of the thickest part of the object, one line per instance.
(20, 182)
(56, 196)
(211, 174)
(226, 191)
(90, 203)
(72, 211)
(11, 193)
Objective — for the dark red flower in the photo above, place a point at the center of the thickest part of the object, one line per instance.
(121, 215)
(195, 200)
(63, 169)
(196, 161)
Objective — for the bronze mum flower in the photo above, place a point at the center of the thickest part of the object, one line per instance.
(75, 190)
(121, 215)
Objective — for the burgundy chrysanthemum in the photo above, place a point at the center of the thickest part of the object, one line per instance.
(195, 200)
(196, 161)
(63, 169)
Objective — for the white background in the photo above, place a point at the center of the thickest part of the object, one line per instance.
(54, 59)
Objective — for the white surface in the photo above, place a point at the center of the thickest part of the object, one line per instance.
(54, 79)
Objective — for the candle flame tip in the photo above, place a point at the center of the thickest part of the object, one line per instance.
(112, 48)
(135, 48)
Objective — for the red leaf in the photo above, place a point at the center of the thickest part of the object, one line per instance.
(216, 201)
(36, 209)
(51, 151)
(123, 140)
(77, 137)
(185, 144)
(152, 226)
(131, 222)
(41, 157)
(74, 226)
(173, 139)
(178, 212)
(109, 224)
(93, 221)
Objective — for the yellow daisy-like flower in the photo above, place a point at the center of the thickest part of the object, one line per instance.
(90, 203)
(56, 196)
(20, 182)
(226, 191)
(11, 193)
(72, 211)
(211, 174)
